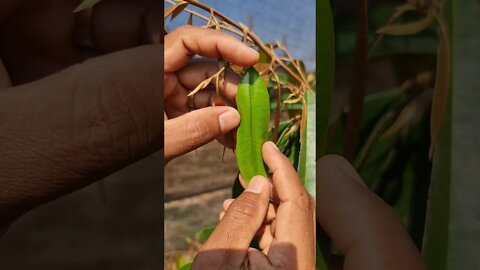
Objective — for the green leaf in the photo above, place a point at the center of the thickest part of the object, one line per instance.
(237, 188)
(253, 103)
(442, 84)
(375, 105)
(264, 58)
(452, 232)
(437, 225)
(405, 202)
(325, 72)
(186, 266)
(325, 51)
(307, 161)
(204, 234)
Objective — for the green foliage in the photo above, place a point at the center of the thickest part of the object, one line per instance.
(185, 266)
(326, 71)
(452, 230)
(204, 234)
(253, 103)
(307, 163)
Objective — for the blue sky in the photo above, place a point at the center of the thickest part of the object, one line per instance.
(273, 20)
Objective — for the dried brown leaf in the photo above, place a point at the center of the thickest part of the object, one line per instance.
(261, 67)
(190, 19)
(206, 82)
(201, 86)
(237, 69)
(180, 7)
(291, 100)
(169, 11)
(410, 114)
(409, 28)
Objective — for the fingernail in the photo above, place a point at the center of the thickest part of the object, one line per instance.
(273, 146)
(257, 184)
(252, 51)
(229, 120)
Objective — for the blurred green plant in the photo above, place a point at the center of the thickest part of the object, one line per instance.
(430, 116)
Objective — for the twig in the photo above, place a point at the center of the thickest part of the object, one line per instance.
(257, 41)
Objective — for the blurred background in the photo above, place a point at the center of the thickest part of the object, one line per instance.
(406, 76)
(392, 145)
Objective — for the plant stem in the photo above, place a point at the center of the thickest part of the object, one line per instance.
(357, 92)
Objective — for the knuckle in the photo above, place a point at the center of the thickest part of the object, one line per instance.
(243, 210)
(184, 28)
(305, 203)
(200, 131)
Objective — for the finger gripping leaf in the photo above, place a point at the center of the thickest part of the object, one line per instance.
(253, 103)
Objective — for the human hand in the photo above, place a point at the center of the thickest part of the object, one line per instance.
(117, 26)
(362, 227)
(68, 121)
(187, 129)
(286, 232)
(84, 121)
(47, 36)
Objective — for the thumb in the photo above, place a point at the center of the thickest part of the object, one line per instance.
(192, 130)
(242, 219)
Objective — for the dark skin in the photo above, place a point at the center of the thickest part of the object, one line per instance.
(70, 116)
(77, 119)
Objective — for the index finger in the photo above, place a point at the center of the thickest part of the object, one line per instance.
(286, 181)
(362, 227)
(185, 42)
(295, 214)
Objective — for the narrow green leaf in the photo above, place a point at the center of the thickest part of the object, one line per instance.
(325, 51)
(452, 229)
(187, 266)
(264, 58)
(204, 234)
(375, 105)
(325, 71)
(437, 224)
(442, 85)
(237, 188)
(307, 162)
(405, 202)
(253, 103)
